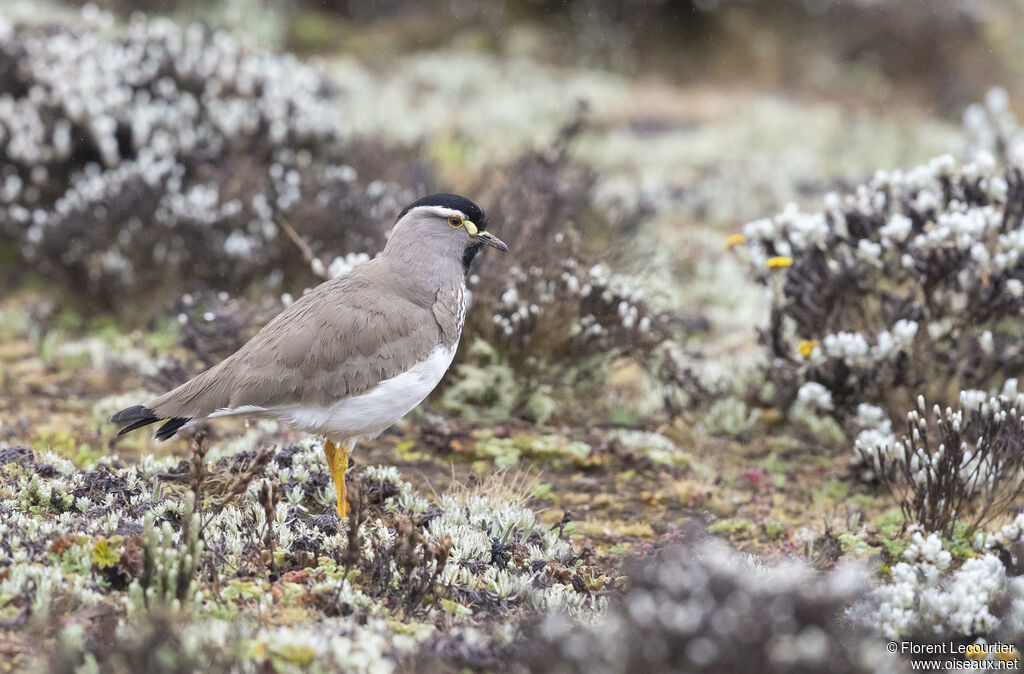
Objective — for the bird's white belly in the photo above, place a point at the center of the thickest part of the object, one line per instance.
(365, 415)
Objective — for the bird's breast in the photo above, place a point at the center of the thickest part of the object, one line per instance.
(450, 313)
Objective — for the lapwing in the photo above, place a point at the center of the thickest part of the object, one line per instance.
(355, 354)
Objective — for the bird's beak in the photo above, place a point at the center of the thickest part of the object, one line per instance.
(492, 241)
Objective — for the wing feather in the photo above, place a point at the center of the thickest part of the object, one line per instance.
(338, 340)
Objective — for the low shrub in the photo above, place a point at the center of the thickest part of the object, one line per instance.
(912, 285)
(956, 468)
(145, 160)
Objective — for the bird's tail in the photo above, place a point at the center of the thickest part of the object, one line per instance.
(139, 416)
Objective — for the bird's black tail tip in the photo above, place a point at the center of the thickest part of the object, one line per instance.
(139, 416)
(130, 414)
(134, 417)
(172, 426)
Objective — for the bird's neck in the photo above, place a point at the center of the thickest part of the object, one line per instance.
(424, 274)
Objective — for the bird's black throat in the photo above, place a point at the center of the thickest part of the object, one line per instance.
(468, 255)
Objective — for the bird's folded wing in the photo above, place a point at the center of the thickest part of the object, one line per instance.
(334, 342)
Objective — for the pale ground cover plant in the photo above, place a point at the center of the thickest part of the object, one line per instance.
(905, 290)
(929, 597)
(691, 604)
(909, 289)
(128, 549)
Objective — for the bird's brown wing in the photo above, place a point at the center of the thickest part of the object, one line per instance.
(338, 340)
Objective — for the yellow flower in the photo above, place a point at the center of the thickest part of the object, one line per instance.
(975, 652)
(734, 240)
(779, 262)
(807, 346)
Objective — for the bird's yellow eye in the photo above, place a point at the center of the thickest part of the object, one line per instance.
(455, 221)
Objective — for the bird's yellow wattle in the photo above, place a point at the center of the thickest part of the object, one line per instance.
(470, 227)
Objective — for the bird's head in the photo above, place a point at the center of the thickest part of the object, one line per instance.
(445, 224)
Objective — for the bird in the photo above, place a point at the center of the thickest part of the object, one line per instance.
(356, 353)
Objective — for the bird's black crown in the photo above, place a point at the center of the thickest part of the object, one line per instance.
(475, 214)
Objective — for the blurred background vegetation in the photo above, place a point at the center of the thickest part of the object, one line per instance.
(867, 50)
(646, 130)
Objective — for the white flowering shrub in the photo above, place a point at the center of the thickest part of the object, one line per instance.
(955, 467)
(991, 128)
(929, 598)
(905, 287)
(150, 156)
(705, 608)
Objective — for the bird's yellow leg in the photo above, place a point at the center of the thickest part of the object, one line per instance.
(337, 461)
(330, 452)
(329, 449)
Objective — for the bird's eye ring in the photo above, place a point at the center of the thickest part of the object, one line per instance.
(455, 221)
